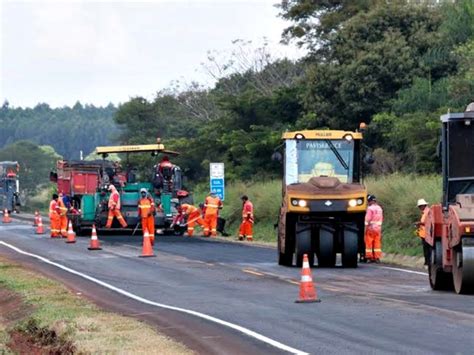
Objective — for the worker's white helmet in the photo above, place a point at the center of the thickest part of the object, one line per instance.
(143, 190)
(421, 202)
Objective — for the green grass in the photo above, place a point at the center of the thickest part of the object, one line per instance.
(396, 193)
(74, 319)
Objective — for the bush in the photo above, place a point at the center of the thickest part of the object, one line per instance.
(398, 194)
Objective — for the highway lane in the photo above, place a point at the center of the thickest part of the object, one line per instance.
(365, 310)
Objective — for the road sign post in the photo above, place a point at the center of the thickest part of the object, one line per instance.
(217, 182)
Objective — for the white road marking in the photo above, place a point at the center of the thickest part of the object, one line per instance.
(404, 270)
(237, 327)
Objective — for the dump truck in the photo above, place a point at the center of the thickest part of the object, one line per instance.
(323, 198)
(10, 186)
(86, 183)
(450, 224)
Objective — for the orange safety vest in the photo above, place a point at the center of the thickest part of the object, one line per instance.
(212, 205)
(422, 228)
(53, 207)
(114, 200)
(374, 217)
(247, 210)
(62, 207)
(188, 209)
(145, 206)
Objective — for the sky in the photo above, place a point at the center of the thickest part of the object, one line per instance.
(101, 52)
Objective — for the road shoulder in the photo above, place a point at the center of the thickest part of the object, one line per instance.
(39, 314)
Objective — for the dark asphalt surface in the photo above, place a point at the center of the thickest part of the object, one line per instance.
(371, 309)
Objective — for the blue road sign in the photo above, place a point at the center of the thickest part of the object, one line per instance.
(218, 187)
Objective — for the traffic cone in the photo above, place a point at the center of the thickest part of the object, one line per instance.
(71, 236)
(307, 290)
(39, 228)
(6, 217)
(35, 222)
(94, 245)
(147, 250)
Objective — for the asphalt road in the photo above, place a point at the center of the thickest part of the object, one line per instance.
(372, 309)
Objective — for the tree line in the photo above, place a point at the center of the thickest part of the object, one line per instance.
(68, 130)
(396, 65)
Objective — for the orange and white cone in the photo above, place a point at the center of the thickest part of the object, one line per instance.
(39, 227)
(71, 236)
(147, 250)
(6, 217)
(94, 244)
(307, 289)
(35, 222)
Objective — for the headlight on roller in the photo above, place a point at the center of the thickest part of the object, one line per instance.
(356, 202)
(302, 203)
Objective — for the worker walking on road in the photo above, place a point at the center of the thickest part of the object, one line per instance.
(212, 205)
(246, 227)
(147, 212)
(421, 229)
(62, 216)
(373, 230)
(54, 219)
(194, 217)
(114, 208)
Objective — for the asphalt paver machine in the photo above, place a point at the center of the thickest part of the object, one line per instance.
(450, 225)
(324, 201)
(86, 183)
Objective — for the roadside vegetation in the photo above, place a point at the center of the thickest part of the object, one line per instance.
(397, 193)
(39, 315)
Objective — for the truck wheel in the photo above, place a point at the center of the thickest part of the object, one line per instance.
(349, 249)
(304, 246)
(463, 267)
(439, 280)
(327, 254)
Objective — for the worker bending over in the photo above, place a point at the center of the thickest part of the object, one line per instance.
(373, 230)
(62, 215)
(212, 205)
(246, 227)
(147, 212)
(421, 229)
(114, 208)
(194, 217)
(54, 219)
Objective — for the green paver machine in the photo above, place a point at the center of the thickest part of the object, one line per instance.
(86, 183)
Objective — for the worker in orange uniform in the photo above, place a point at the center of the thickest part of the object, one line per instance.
(246, 227)
(212, 205)
(114, 208)
(194, 217)
(421, 229)
(62, 216)
(147, 211)
(373, 230)
(54, 219)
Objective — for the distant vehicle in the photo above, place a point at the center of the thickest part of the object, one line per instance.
(450, 224)
(86, 183)
(324, 201)
(9, 186)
